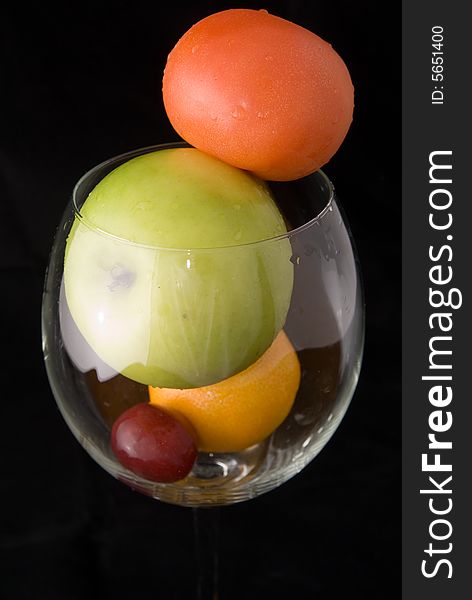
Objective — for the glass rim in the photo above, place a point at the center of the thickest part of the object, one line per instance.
(147, 149)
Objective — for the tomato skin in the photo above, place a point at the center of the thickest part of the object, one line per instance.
(259, 92)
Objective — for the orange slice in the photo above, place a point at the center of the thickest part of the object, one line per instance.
(242, 410)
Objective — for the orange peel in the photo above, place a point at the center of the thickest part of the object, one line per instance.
(244, 409)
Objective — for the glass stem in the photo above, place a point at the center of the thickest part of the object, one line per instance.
(206, 525)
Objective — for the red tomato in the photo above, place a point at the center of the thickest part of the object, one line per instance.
(259, 92)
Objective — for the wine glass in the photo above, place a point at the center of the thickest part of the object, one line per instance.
(322, 317)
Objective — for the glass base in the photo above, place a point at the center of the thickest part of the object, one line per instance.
(217, 469)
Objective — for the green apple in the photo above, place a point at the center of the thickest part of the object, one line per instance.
(162, 275)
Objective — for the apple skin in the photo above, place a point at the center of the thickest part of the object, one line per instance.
(155, 282)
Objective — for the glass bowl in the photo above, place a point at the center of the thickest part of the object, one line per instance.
(118, 285)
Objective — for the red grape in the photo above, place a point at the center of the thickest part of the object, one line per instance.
(153, 444)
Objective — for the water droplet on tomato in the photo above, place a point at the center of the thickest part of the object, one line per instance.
(238, 112)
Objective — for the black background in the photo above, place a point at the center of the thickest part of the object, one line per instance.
(81, 83)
